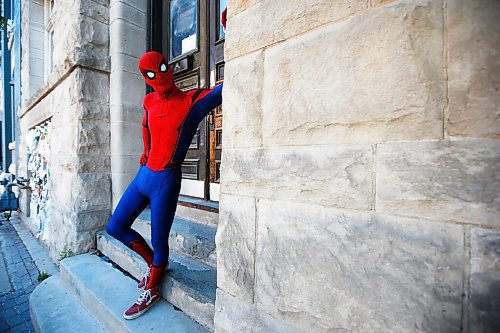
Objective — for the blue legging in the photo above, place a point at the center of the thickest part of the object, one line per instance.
(161, 190)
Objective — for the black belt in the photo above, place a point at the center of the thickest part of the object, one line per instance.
(172, 165)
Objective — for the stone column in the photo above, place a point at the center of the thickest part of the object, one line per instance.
(75, 97)
(127, 89)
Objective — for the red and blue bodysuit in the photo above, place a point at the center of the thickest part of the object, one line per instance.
(170, 121)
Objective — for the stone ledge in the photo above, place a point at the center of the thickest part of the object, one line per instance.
(200, 216)
(194, 240)
(56, 80)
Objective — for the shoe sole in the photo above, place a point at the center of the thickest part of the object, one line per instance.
(140, 313)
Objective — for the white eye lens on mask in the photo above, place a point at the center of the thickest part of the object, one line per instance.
(163, 68)
(150, 75)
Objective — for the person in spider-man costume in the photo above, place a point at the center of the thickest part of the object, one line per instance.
(171, 117)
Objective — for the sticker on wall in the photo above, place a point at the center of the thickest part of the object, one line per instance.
(38, 141)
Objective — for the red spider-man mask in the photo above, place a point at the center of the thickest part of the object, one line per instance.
(157, 73)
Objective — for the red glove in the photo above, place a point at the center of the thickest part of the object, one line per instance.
(144, 158)
(146, 137)
(224, 18)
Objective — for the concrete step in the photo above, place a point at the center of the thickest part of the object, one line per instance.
(198, 210)
(107, 292)
(186, 237)
(54, 309)
(188, 284)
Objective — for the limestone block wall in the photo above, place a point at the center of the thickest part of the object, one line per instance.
(75, 97)
(359, 177)
(128, 40)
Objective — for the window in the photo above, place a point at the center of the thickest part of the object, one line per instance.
(36, 45)
(49, 38)
(220, 71)
(222, 4)
(217, 172)
(190, 169)
(218, 138)
(183, 27)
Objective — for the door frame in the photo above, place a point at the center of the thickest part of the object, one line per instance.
(158, 40)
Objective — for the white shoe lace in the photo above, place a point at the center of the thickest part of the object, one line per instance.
(144, 296)
(145, 276)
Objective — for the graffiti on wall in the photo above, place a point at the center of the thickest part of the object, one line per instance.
(38, 142)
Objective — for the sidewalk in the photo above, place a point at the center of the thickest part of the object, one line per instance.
(19, 274)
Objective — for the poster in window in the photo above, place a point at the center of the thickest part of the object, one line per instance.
(183, 27)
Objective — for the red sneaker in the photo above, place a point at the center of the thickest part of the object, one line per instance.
(143, 303)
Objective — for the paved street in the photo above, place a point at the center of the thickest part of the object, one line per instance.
(18, 278)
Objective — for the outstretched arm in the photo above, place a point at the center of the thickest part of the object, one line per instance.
(214, 98)
(209, 102)
(146, 138)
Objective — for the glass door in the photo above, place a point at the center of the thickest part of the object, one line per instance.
(188, 32)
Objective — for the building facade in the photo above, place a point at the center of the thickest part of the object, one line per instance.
(64, 118)
(358, 180)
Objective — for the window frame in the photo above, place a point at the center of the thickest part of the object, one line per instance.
(170, 32)
(48, 52)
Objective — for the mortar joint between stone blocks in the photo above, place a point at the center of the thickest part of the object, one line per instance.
(374, 178)
(466, 280)
(257, 202)
(445, 68)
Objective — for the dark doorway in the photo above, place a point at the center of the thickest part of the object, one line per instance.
(189, 34)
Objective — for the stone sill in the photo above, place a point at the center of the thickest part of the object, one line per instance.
(59, 74)
(55, 78)
(209, 206)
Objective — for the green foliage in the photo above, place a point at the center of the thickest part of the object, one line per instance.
(65, 254)
(3, 20)
(42, 276)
